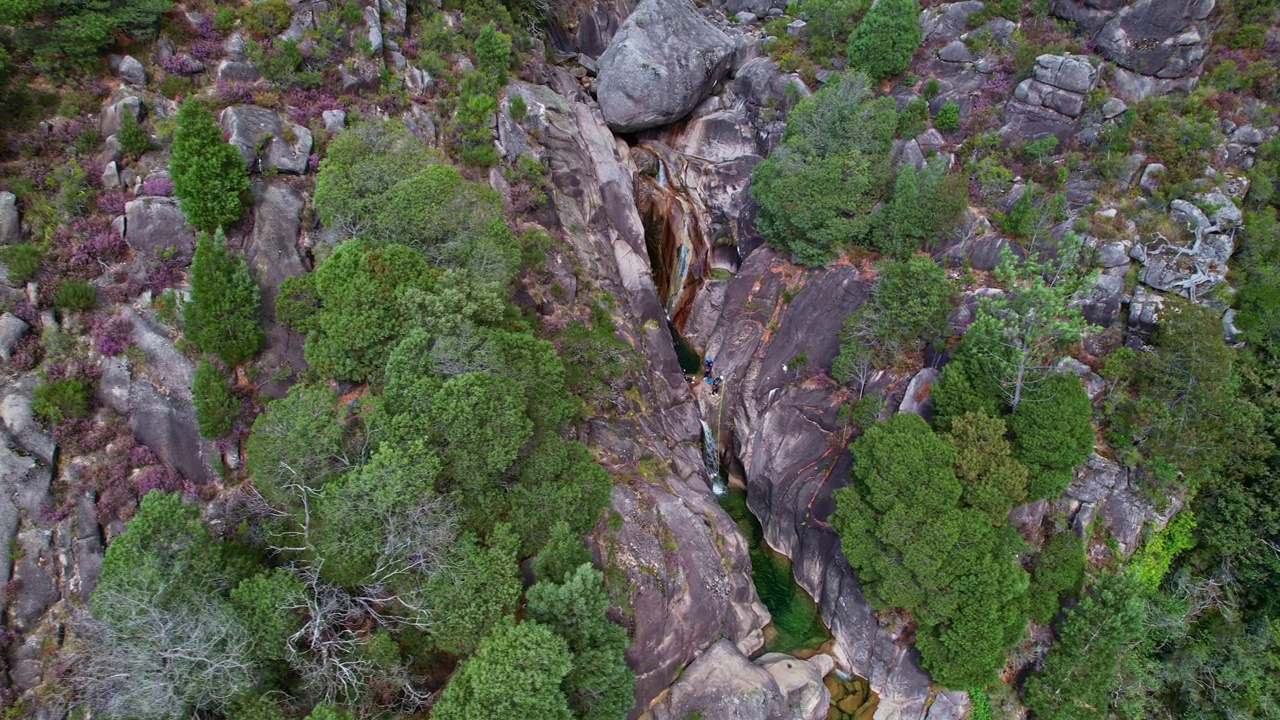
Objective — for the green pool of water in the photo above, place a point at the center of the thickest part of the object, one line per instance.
(690, 361)
(796, 626)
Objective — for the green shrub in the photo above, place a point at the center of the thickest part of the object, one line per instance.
(208, 174)
(1153, 560)
(175, 87)
(265, 17)
(966, 595)
(471, 124)
(1040, 149)
(22, 260)
(913, 118)
(829, 22)
(1058, 573)
(948, 117)
(382, 181)
(882, 44)
(75, 295)
(214, 405)
(518, 109)
(993, 480)
(60, 400)
(224, 20)
(908, 306)
(133, 139)
(359, 288)
(72, 193)
(1051, 426)
(493, 57)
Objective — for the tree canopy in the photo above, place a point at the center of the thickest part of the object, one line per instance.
(208, 174)
(817, 189)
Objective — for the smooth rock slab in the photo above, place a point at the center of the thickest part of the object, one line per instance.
(12, 328)
(722, 684)
(659, 65)
(155, 224)
(131, 71)
(264, 141)
(10, 225)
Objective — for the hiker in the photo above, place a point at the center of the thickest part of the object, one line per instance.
(715, 386)
(707, 366)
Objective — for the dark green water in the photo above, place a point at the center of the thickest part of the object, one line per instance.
(796, 625)
(690, 361)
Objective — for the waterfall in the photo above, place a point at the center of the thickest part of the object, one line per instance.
(711, 459)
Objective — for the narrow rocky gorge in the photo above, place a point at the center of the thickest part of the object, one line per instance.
(648, 158)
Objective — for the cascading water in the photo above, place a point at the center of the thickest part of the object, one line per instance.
(711, 458)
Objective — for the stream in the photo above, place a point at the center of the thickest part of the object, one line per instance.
(680, 258)
(796, 628)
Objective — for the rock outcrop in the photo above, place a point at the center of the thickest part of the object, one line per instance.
(10, 227)
(1156, 45)
(722, 684)
(264, 141)
(686, 564)
(1051, 99)
(659, 65)
(155, 225)
(1102, 490)
(272, 255)
(778, 422)
(692, 180)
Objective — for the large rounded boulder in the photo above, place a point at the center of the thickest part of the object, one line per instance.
(659, 65)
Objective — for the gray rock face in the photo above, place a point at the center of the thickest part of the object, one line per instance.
(781, 419)
(111, 115)
(1164, 39)
(10, 225)
(12, 328)
(1150, 180)
(237, 71)
(956, 52)
(159, 403)
(659, 65)
(917, 399)
(1050, 100)
(693, 178)
(1144, 310)
(131, 71)
(153, 224)
(20, 422)
(272, 256)
(684, 599)
(722, 684)
(264, 141)
(949, 21)
(334, 120)
(1103, 489)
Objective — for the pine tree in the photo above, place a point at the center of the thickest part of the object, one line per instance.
(221, 317)
(208, 174)
(600, 686)
(882, 44)
(1082, 670)
(562, 552)
(516, 673)
(1020, 331)
(215, 407)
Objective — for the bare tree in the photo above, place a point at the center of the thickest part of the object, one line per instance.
(150, 660)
